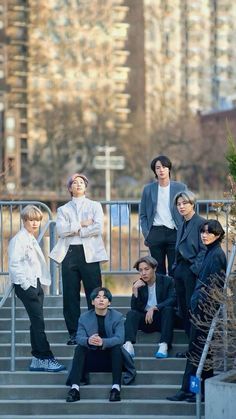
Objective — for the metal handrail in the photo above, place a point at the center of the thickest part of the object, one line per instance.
(211, 333)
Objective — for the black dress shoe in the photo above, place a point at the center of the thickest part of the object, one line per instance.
(180, 355)
(114, 395)
(72, 340)
(179, 396)
(193, 399)
(73, 395)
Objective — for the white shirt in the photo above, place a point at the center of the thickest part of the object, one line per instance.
(163, 215)
(79, 202)
(152, 299)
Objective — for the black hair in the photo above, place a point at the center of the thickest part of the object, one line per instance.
(149, 260)
(214, 227)
(95, 292)
(165, 161)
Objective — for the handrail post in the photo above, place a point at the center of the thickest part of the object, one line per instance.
(13, 330)
(53, 270)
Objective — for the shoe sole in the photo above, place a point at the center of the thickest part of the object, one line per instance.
(161, 355)
(46, 369)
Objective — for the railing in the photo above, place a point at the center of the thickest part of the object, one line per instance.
(222, 309)
(122, 235)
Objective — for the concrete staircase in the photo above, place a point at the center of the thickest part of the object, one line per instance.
(41, 395)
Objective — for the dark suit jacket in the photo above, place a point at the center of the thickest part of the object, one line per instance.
(165, 293)
(189, 244)
(149, 204)
(214, 263)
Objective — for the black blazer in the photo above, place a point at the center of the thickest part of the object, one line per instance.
(214, 263)
(165, 293)
(189, 244)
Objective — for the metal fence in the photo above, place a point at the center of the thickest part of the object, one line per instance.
(122, 234)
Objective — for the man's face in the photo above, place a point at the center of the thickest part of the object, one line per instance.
(162, 172)
(208, 238)
(185, 208)
(101, 302)
(147, 273)
(78, 187)
(32, 226)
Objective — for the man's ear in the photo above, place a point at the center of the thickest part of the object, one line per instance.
(92, 302)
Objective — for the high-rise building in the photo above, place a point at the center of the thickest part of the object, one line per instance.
(13, 92)
(190, 56)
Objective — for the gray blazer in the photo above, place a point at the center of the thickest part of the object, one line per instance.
(114, 326)
(189, 243)
(149, 204)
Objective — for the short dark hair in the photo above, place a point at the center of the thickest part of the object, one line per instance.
(165, 161)
(95, 292)
(214, 227)
(149, 260)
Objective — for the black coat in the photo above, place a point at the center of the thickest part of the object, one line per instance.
(214, 263)
(165, 293)
(189, 244)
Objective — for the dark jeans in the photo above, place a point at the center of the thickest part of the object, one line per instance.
(32, 299)
(162, 322)
(96, 360)
(185, 282)
(74, 270)
(196, 345)
(161, 242)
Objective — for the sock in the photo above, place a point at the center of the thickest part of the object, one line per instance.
(75, 386)
(116, 386)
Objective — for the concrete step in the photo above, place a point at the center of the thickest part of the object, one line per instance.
(95, 392)
(97, 407)
(49, 312)
(61, 349)
(59, 334)
(78, 416)
(141, 363)
(38, 378)
(57, 301)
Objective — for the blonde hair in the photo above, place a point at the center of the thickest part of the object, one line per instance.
(31, 212)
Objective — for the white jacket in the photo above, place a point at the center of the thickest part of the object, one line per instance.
(67, 225)
(21, 253)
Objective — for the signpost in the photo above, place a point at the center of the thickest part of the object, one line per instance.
(108, 163)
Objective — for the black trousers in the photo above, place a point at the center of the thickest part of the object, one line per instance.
(185, 282)
(74, 270)
(196, 345)
(161, 242)
(96, 360)
(163, 321)
(32, 299)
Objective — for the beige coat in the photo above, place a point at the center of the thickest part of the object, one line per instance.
(67, 225)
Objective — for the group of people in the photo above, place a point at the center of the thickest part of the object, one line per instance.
(185, 257)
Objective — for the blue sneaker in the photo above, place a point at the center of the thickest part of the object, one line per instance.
(162, 351)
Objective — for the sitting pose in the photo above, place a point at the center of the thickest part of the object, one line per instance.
(100, 336)
(152, 306)
(28, 270)
(212, 271)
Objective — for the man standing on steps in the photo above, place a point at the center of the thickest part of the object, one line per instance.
(100, 337)
(152, 306)
(159, 216)
(28, 270)
(80, 248)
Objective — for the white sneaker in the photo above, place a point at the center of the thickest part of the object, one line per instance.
(48, 364)
(128, 346)
(162, 351)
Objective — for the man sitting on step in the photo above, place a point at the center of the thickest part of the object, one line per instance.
(100, 336)
(152, 306)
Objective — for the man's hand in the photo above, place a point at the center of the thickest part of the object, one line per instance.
(138, 284)
(95, 340)
(149, 315)
(86, 223)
